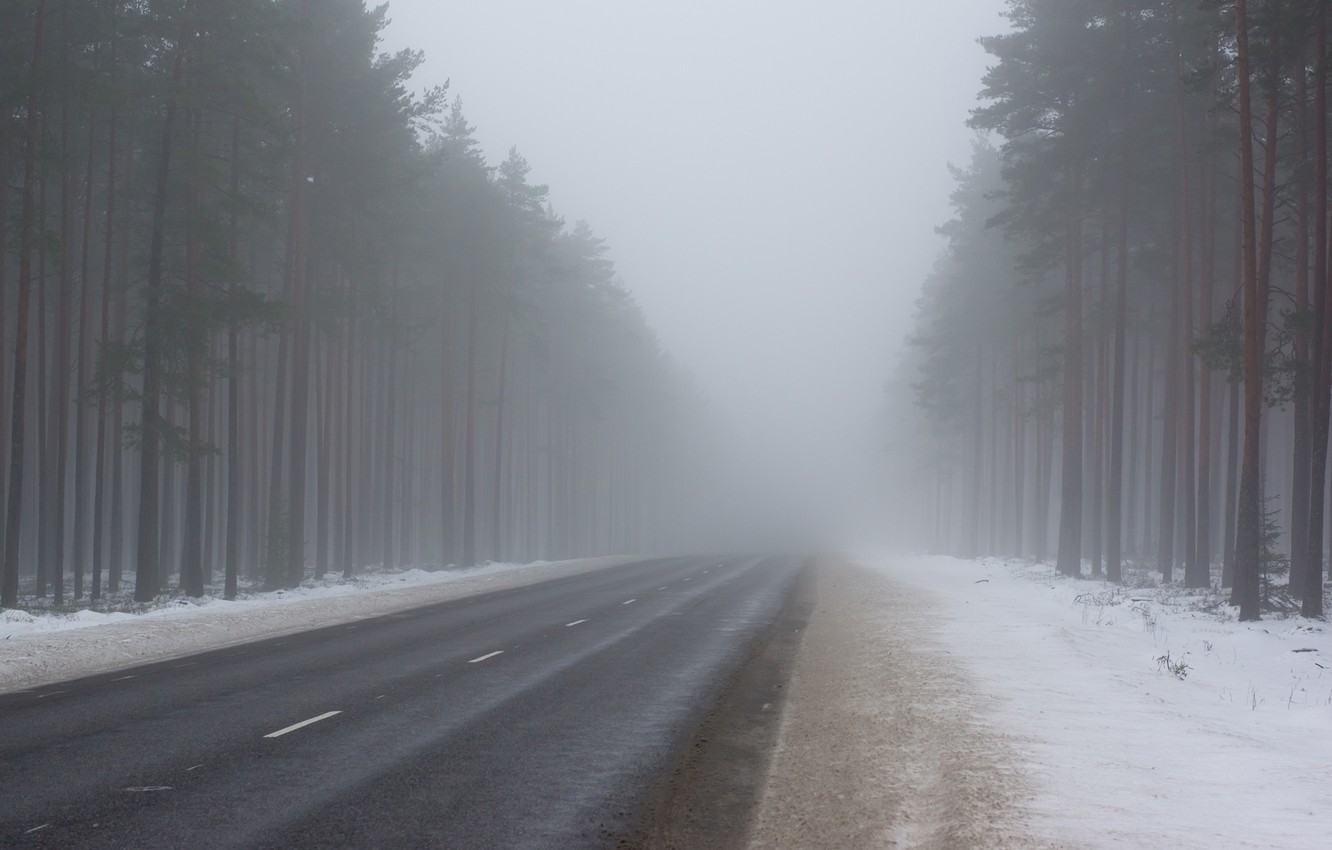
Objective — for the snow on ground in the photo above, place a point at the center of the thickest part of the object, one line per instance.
(41, 648)
(1231, 749)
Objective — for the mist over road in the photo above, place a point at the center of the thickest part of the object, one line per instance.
(543, 716)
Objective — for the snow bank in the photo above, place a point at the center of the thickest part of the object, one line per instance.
(1147, 717)
(41, 648)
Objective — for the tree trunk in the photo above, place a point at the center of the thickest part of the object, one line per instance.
(1099, 408)
(231, 566)
(1133, 416)
(116, 542)
(1300, 448)
(1187, 422)
(348, 481)
(1202, 575)
(972, 548)
(448, 413)
(1070, 508)
(300, 366)
(324, 379)
(4, 322)
(1019, 450)
(27, 241)
(61, 396)
(45, 441)
(1312, 602)
(1170, 433)
(390, 434)
(191, 563)
(81, 447)
(497, 526)
(100, 453)
(469, 441)
(1248, 534)
(147, 579)
(1115, 489)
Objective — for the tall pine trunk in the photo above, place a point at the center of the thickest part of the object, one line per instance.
(496, 519)
(1300, 406)
(100, 452)
(348, 455)
(1201, 576)
(231, 566)
(147, 577)
(61, 397)
(191, 562)
(469, 440)
(27, 242)
(300, 363)
(1070, 504)
(81, 409)
(1248, 533)
(390, 447)
(1312, 603)
(1115, 489)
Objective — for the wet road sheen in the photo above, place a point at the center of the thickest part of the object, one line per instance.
(528, 718)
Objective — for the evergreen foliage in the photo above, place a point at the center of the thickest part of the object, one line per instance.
(330, 332)
(1129, 337)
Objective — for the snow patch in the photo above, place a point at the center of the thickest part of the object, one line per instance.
(1147, 717)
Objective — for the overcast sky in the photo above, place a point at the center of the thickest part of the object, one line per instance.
(768, 175)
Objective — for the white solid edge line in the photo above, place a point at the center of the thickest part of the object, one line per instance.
(574, 623)
(484, 657)
(293, 727)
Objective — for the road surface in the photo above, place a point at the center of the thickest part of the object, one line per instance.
(543, 716)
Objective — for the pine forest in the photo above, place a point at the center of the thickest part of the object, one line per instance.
(268, 313)
(1138, 264)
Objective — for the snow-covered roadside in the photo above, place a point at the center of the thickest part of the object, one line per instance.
(1231, 750)
(883, 741)
(44, 648)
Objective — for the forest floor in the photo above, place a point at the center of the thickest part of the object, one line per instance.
(997, 704)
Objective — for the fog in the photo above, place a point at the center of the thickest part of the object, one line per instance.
(768, 176)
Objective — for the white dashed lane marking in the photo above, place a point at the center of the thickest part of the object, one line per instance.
(293, 727)
(487, 656)
(574, 623)
(630, 602)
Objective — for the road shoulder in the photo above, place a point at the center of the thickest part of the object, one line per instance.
(883, 741)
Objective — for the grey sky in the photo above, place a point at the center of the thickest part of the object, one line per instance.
(768, 176)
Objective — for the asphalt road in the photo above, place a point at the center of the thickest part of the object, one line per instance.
(538, 717)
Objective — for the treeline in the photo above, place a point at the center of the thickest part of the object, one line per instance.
(268, 312)
(1126, 350)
